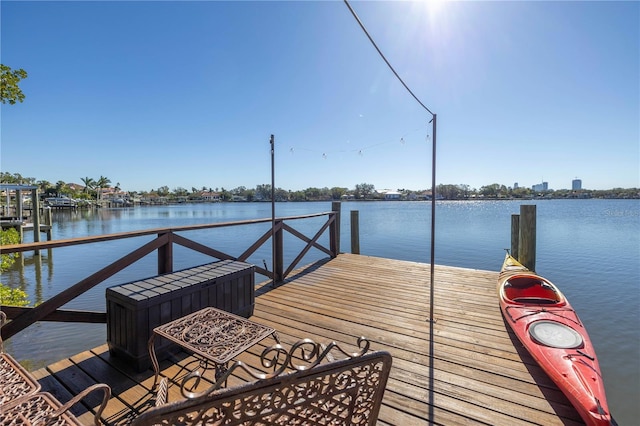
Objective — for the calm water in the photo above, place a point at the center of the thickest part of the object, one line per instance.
(589, 248)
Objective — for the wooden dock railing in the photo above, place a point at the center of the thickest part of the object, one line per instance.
(163, 245)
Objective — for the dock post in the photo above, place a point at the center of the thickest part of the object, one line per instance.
(35, 216)
(19, 205)
(355, 232)
(165, 254)
(527, 236)
(278, 271)
(48, 221)
(335, 228)
(515, 234)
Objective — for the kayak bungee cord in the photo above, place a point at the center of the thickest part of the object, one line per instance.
(541, 311)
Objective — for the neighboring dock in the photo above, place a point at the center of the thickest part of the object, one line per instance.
(465, 368)
(15, 216)
(23, 226)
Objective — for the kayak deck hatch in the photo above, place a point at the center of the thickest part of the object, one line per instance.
(555, 335)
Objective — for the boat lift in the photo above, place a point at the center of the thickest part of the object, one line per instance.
(17, 220)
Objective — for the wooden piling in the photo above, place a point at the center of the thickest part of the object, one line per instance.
(527, 236)
(355, 232)
(48, 221)
(35, 217)
(515, 234)
(19, 205)
(335, 228)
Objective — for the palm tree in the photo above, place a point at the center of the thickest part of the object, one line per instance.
(60, 187)
(102, 182)
(88, 184)
(43, 185)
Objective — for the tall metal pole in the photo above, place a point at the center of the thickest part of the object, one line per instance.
(273, 214)
(433, 183)
(433, 218)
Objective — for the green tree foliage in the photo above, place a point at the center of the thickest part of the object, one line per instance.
(241, 190)
(313, 193)
(521, 192)
(163, 191)
(263, 192)
(8, 236)
(338, 192)
(62, 188)
(297, 196)
(364, 190)
(180, 192)
(494, 190)
(9, 89)
(102, 182)
(10, 296)
(89, 183)
(281, 194)
(448, 191)
(250, 194)
(13, 296)
(225, 195)
(17, 178)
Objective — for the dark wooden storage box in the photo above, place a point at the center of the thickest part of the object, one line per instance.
(135, 309)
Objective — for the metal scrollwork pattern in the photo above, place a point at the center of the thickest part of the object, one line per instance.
(15, 380)
(302, 390)
(214, 334)
(38, 409)
(304, 354)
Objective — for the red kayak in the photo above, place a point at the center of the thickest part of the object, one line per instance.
(551, 331)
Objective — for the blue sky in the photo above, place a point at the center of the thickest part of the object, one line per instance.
(187, 94)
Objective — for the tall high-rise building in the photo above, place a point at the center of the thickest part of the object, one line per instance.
(544, 186)
(576, 184)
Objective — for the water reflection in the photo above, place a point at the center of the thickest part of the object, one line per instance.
(17, 276)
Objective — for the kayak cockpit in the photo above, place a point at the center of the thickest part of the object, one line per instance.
(531, 290)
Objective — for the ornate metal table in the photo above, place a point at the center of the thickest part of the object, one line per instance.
(212, 334)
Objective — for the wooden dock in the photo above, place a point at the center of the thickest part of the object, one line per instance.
(466, 368)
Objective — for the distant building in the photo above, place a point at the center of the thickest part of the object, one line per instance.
(515, 185)
(112, 195)
(391, 195)
(75, 187)
(412, 196)
(427, 195)
(544, 186)
(576, 184)
(210, 196)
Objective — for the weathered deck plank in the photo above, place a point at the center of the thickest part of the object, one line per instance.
(466, 368)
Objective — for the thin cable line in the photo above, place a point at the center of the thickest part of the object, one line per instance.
(433, 198)
(383, 57)
(361, 149)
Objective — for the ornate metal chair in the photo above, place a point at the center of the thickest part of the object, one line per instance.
(16, 381)
(306, 385)
(43, 408)
(22, 403)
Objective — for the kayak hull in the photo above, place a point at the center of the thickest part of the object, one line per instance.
(549, 328)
